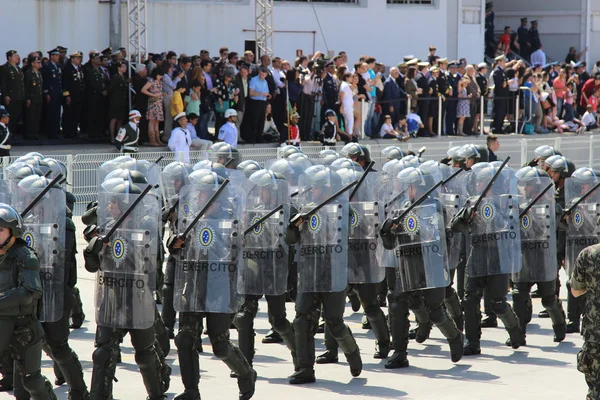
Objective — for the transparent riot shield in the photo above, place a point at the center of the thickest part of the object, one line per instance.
(207, 267)
(421, 251)
(493, 243)
(109, 166)
(127, 279)
(453, 196)
(44, 231)
(323, 247)
(264, 264)
(582, 224)
(365, 214)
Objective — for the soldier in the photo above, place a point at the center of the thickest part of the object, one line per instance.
(452, 98)
(55, 245)
(534, 37)
(95, 95)
(421, 271)
(582, 230)
(5, 133)
(542, 153)
(434, 91)
(200, 290)
(484, 88)
(538, 249)
(393, 153)
(492, 248)
(424, 99)
(264, 267)
(122, 309)
(524, 39)
(128, 136)
(226, 155)
(20, 329)
(73, 92)
(321, 280)
(33, 98)
(13, 90)
(501, 95)
(584, 279)
(52, 74)
(364, 273)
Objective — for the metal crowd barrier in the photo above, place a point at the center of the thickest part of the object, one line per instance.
(82, 168)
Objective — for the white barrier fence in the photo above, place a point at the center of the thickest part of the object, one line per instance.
(82, 168)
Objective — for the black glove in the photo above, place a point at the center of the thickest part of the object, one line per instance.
(95, 246)
(388, 234)
(460, 221)
(90, 232)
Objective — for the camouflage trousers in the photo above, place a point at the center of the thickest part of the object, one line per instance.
(588, 363)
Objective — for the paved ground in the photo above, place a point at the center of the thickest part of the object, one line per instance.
(542, 370)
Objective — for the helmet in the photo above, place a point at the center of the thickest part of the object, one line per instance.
(133, 176)
(4, 113)
(11, 219)
(412, 161)
(230, 112)
(20, 170)
(417, 178)
(349, 175)
(301, 160)
(562, 165)
(548, 161)
(226, 154)
(434, 168)
(352, 150)
(468, 151)
(290, 170)
(134, 114)
(320, 175)
(34, 184)
(329, 113)
(265, 177)
(585, 175)
(452, 151)
(50, 164)
(528, 174)
(205, 178)
(35, 154)
(387, 167)
(249, 167)
(288, 150)
(545, 151)
(273, 182)
(328, 156)
(176, 171)
(345, 163)
(393, 153)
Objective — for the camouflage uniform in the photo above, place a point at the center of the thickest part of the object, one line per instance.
(586, 276)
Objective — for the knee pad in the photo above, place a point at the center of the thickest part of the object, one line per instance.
(471, 301)
(221, 345)
(145, 356)
(302, 323)
(499, 306)
(60, 353)
(279, 321)
(244, 320)
(103, 354)
(372, 310)
(185, 340)
(549, 301)
(436, 314)
(167, 291)
(336, 325)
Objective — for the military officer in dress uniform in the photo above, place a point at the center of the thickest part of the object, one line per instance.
(424, 100)
(501, 94)
(534, 36)
(434, 89)
(95, 94)
(33, 98)
(63, 56)
(484, 87)
(442, 79)
(12, 87)
(4, 132)
(452, 94)
(52, 75)
(73, 91)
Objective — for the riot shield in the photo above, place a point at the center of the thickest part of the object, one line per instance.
(582, 224)
(111, 165)
(421, 251)
(207, 267)
(365, 218)
(453, 196)
(173, 177)
(264, 263)
(493, 243)
(323, 247)
(44, 231)
(127, 279)
(538, 234)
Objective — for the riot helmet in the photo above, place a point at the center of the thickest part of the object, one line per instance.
(328, 156)
(226, 155)
(357, 152)
(287, 150)
(393, 153)
(249, 167)
(10, 219)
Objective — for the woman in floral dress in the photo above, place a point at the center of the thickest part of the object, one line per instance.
(155, 113)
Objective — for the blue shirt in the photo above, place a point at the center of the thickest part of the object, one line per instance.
(258, 86)
(372, 76)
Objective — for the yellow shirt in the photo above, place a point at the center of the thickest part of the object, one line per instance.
(176, 104)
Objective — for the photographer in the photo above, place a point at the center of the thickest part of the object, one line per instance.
(310, 103)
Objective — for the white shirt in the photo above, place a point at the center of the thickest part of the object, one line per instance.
(229, 134)
(348, 100)
(277, 75)
(192, 130)
(179, 143)
(588, 119)
(538, 57)
(414, 116)
(385, 129)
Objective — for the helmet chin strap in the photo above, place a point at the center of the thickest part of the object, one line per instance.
(7, 241)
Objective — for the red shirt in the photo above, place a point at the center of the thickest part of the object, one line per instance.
(593, 101)
(588, 88)
(505, 40)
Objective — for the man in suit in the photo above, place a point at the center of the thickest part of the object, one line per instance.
(501, 94)
(33, 98)
(424, 99)
(393, 96)
(13, 90)
(241, 82)
(52, 75)
(524, 39)
(73, 92)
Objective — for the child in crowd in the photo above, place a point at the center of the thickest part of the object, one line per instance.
(294, 130)
(589, 119)
(330, 133)
(413, 122)
(388, 132)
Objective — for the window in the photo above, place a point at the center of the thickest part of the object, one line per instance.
(430, 2)
(323, 1)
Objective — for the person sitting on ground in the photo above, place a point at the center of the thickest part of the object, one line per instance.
(413, 122)
(330, 133)
(270, 132)
(388, 132)
(197, 143)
